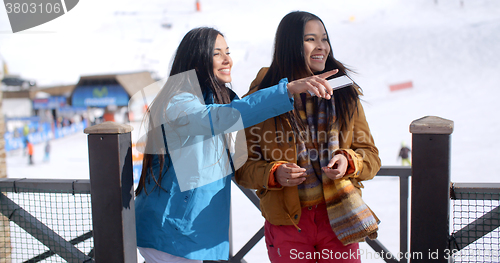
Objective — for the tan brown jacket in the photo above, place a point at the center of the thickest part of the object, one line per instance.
(273, 141)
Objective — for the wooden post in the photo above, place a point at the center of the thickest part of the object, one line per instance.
(112, 192)
(430, 189)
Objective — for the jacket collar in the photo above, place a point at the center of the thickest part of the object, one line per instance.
(208, 95)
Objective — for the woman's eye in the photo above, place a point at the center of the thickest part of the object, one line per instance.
(228, 53)
(216, 54)
(310, 39)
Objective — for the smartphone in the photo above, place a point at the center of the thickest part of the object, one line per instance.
(338, 83)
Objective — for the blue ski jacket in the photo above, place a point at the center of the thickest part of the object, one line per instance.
(189, 215)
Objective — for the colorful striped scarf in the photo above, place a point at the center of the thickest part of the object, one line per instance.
(350, 218)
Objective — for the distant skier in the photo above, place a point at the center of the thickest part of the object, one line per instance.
(26, 130)
(46, 158)
(29, 147)
(404, 154)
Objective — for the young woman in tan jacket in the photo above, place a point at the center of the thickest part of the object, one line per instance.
(307, 165)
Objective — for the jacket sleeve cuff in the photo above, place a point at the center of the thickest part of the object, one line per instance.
(273, 183)
(352, 169)
(284, 84)
(269, 178)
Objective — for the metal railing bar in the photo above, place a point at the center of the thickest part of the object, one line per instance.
(40, 231)
(45, 185)
(50, 253)
(248, 246)
(250, 194)
(475, 191)
(403, 216)
(382, 250)
(401, 171)
(477, 229)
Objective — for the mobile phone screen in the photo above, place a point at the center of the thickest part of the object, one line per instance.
(340, 82)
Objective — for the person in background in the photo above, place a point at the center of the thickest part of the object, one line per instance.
(108, 115)
(404, 154)
(26, 130)
(192, 225)
(46, 158)
(307, 164)
(30, 150)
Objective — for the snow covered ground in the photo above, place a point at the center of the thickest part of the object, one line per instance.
(451, 53)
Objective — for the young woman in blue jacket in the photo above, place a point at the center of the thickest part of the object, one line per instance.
(183, 196)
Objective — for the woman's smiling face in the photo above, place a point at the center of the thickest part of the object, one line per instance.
(222, 62)
(316, 47)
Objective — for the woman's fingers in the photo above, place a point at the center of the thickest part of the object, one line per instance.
(313, 88)
(290, 174)
(332, 173)
(294, 182)
(303, 85)
(321, 79)
(323, 87)
(333, 161)
(315, 85)
(337, 167)
(326, 86)
(328, 73)
(293, 171)
(319, 87)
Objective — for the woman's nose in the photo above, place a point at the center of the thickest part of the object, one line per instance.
(321, 46)
(226, 59)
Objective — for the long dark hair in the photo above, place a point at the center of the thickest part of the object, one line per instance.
(195, 51)
(289, 62)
